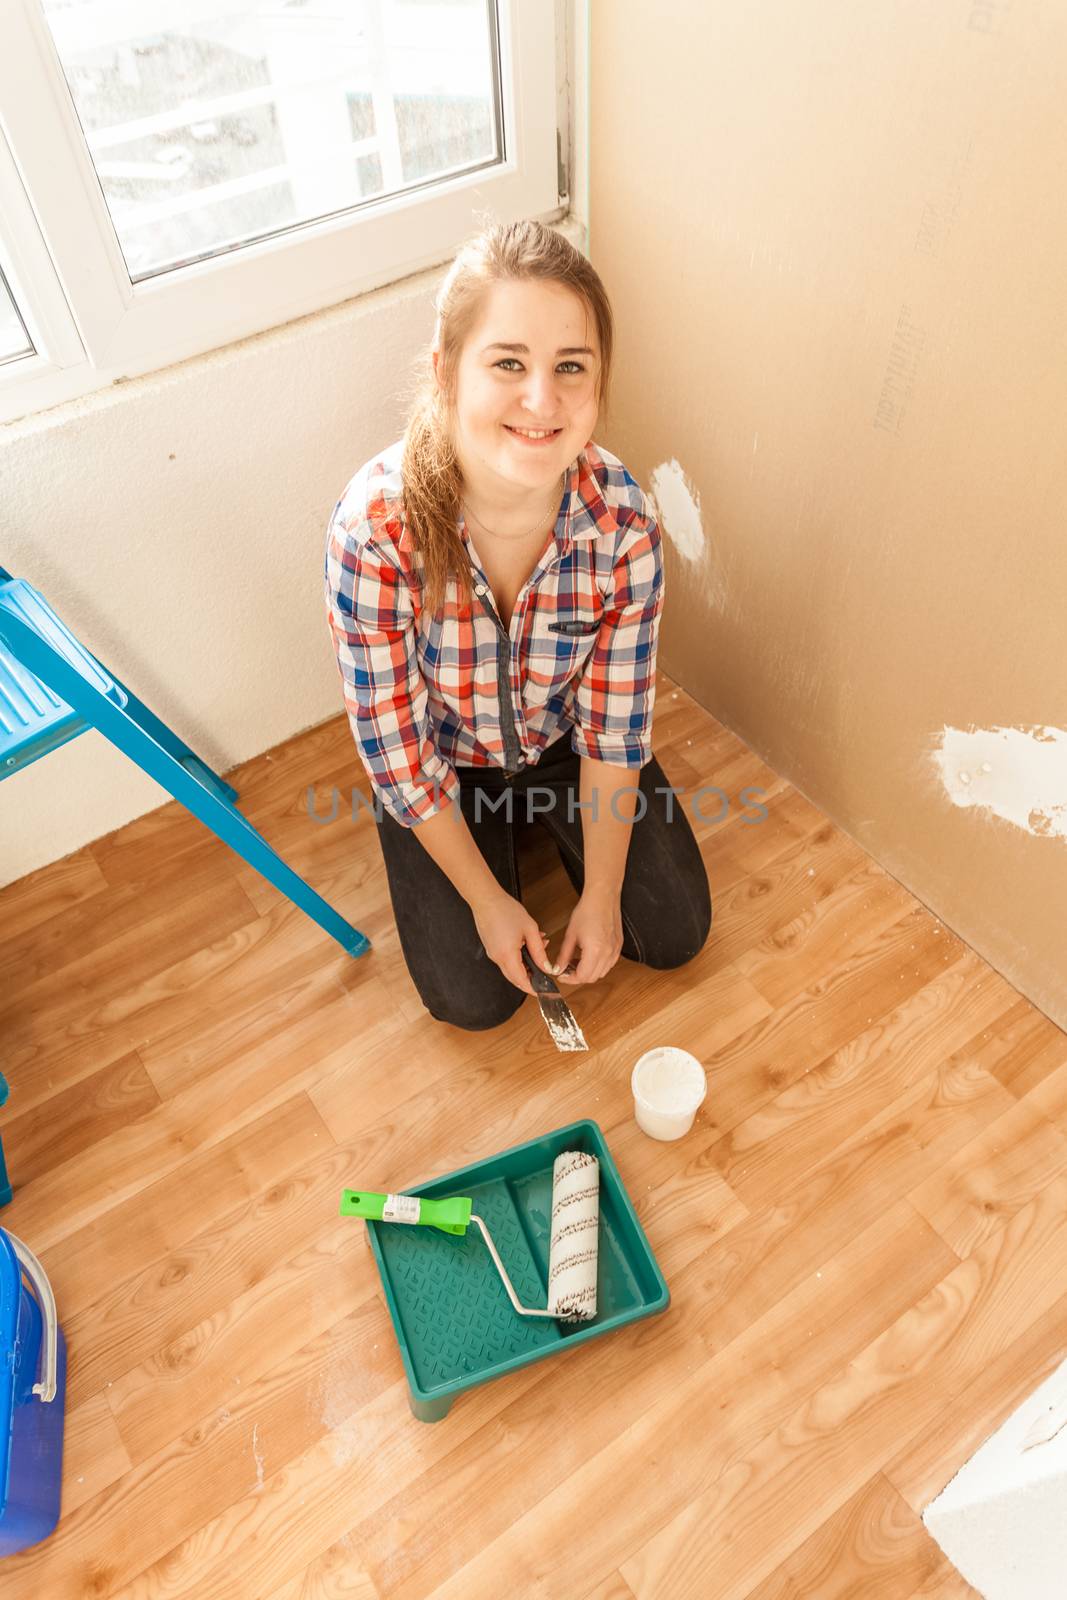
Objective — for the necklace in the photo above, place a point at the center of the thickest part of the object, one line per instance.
(514, 536)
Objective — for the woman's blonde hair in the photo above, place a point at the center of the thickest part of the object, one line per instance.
(432, 481)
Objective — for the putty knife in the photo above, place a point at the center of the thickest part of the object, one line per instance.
(566, 1034)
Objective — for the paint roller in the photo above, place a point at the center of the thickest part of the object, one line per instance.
(573, 1247)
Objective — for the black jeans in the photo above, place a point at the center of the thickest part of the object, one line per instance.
(665, 901)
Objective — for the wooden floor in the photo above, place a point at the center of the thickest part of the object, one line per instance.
(865, 1233)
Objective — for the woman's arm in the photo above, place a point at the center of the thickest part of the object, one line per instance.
(607, 795)
(594, 932)
(613, 736)
(372, 621)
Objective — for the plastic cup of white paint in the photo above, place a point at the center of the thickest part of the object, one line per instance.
(669, 1087)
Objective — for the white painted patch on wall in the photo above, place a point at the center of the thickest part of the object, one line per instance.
(676, 507)
(1019, 774)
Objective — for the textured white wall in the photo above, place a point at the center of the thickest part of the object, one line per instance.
(1001, 1519)
(177, 524)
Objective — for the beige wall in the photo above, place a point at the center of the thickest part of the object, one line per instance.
(836, 242)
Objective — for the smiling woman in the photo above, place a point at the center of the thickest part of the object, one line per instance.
(494, 582)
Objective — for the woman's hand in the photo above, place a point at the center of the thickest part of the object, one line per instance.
(595, 934)
(504, 926)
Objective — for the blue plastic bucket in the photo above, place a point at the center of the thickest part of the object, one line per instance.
(33, 1381)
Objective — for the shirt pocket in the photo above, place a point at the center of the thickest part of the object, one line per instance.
(574, 627)
(563, 649)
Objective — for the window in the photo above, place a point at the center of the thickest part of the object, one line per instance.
(14, 340)
(180, 173)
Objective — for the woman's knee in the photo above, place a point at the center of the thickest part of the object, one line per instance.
(676, 941)
(477, 1013)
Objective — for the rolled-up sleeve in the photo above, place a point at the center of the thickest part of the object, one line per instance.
(372, 623)
(616, 692)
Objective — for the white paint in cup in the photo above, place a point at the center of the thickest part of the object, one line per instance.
(668, 1086)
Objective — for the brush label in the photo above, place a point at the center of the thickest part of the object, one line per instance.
(401, 1208)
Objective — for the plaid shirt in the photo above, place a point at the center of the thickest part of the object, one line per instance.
(425, 692)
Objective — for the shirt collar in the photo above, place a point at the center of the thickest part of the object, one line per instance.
(586, 516)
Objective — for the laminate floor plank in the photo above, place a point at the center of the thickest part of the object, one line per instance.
(66, 1124)
(52, 890)
(875, 1546)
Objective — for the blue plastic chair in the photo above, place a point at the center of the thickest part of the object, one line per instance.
(52, 689)
(5, 1184)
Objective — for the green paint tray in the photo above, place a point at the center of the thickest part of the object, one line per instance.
(454, 1323)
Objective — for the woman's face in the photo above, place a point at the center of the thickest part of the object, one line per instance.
(547, 384)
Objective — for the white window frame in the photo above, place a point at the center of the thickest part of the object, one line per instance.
(91, 326)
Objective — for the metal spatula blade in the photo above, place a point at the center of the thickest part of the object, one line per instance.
(558, 1016)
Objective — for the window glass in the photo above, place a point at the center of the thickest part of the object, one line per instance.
(14, 340)
(211, 126)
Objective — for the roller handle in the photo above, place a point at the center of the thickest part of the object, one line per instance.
(450, 1215)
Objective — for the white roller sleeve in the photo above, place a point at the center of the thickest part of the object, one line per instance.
(572, 1260)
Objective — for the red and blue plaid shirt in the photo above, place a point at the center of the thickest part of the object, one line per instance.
(427, 692)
